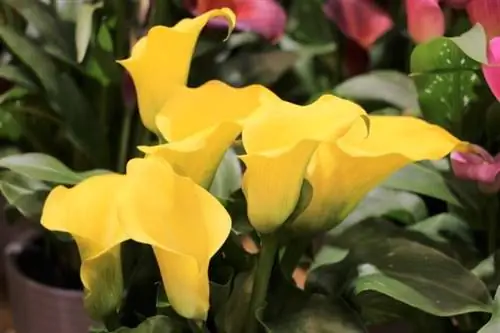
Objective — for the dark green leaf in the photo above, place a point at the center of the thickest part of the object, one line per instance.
(445, 78)
(493, 326)
(389, 86)
(308, 24)
(399, 205)
(13, 94)
(328, 255)
(44, 167)
(84, 23)
(423, 179)
(16, 75)
(156, 324)
(9, 127)
(439, 226)
(318, 314)
(421, 277)
(63, 94)
(44, 19)
(26, 194)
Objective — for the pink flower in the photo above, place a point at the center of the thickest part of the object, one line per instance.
(265, 17)
(361, 20)
(479, 166)
(425, 19)
(487, 13)
(492, 73)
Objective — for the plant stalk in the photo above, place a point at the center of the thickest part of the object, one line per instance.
(125, 140)
(261, 280)
(292, 255)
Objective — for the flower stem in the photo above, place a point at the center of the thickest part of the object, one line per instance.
(292, 255)
(125, 140)
(261, 280)
(492, 218)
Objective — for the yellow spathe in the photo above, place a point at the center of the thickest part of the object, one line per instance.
(354, 152)
(151, 204)
(159, 62)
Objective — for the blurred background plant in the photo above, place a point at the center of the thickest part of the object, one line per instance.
(422, 249)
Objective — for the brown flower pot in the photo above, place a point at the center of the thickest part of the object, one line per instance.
(39, 308)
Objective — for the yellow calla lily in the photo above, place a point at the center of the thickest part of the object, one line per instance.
(202, 123)
(159, 62)
(88, 212)
(359, 162)
(151, 204)
(280, 141)
(346, 161)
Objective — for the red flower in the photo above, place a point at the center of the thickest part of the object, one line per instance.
(265, 17)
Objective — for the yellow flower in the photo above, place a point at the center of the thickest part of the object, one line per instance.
(328, 144)
(159, 63)
(202, 123)
(151, 204)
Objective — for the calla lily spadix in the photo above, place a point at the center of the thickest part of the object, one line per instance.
(153, 205)
(159, 62)
(335, 146)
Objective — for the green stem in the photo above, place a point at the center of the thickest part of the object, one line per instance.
(197, 326)
(121, 37)
(292, 255)
(492, 218)
(160, 14)
(125, 140)
(261, 280)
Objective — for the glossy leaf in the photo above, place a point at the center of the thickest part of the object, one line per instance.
(45, 168)
(317, 313)
(26, 194)
(388, 86)
(493, 326)
(15, 75)
(63, 95)
(437, 226)
(421, 277)
(156, 324)
(445, 78)
(45, 21)
(399, 205)
(474, 43)
(227, 178)
(424, 179)
(83, 32)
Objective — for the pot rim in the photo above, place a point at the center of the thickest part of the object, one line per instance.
(14, 248)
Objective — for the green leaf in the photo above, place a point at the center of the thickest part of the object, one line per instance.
(388, 86)
(436, 227)
(13, 94)
(424, 179)
(446, 79)
(9, 127)
(328, 255)
(156, 324)
(227, 178)
(474, 43)
(308, 24)
(15, 75)
(26, 194)
(317, 313)
(402, 206)
(44, 19)
(83, 32)
(422, 277)
(43, 167)
(493, 326)
(64, 96)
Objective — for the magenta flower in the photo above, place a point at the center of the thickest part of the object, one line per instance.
(264, 17)
(492, 73)
(487, 13)
(478, 165)
(425, 20)
(361, 20)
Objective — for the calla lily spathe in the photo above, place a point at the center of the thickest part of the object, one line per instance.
(151, 204)
(201, 123)
(328, 144)
(159, 62)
